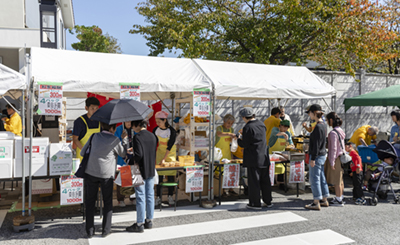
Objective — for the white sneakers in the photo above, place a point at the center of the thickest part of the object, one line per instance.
(171, 200)
(121, 204)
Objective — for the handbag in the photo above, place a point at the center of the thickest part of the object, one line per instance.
(80, 173)
(137, 179)
(344, 158)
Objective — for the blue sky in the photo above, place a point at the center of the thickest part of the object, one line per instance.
(115, 17)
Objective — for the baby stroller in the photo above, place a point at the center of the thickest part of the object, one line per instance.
(380, 186)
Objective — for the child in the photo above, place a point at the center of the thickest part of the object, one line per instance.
(356, 169)
(376, 169)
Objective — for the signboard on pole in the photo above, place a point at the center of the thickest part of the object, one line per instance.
(201, 102)
(50, 98)
(130, 91)
(71, 190)
(194, 179)
(296, 172)
(231, 176)
(272, 173)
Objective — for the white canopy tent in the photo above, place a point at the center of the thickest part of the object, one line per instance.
(11, 82)
(244, 81)
(101, 73)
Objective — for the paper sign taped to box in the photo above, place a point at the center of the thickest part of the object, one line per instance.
(60, 159)
(194, 179)
(71, 190)
(296, 172)
(272, 173)
(231, 176)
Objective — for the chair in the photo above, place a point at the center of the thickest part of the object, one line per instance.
(170, 184)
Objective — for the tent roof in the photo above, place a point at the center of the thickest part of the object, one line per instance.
(10, 80)
(256, 81)
(389, 96)
(101, 73)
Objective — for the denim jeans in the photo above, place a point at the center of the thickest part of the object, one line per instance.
(145, 201)
(319, 187)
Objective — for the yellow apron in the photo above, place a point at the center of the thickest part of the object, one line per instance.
(224, 143)
(85, 139)
(161, 150)
(279, 145)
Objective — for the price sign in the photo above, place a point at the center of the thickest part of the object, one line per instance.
(296, 172)
(231, 176)
(71, 190)
(272, 172)
(201, 102)
(50, 99)
(194, 179)
(130, 91)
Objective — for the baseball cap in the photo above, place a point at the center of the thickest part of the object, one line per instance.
(285, 123)
(313, 108)
(246, 112)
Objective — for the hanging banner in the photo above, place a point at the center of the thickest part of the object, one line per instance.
(272, 173)
(50, 98)
(231, 176)
(42, 186)
(201, 102)
(130, 91)
(296, 172)
(71, 190)
(194, 179)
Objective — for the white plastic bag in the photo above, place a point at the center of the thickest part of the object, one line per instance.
(234, 145)
(217, 154)
(155, 177)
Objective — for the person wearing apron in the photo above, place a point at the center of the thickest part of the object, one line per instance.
(277, 142)
(166, 152)
(84, 127)
(223, 139)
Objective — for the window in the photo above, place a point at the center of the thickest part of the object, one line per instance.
(48, 26)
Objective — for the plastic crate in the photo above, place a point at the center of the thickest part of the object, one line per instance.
(366, 154)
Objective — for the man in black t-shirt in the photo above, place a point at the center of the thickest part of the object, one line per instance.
(84, 127)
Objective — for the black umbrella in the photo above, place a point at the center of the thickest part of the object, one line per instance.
(117, 111)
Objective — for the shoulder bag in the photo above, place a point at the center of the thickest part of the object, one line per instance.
(344, 158)
(82, 167)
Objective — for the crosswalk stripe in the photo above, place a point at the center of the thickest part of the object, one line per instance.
(180, 211)
(326, 237)
(201, 228)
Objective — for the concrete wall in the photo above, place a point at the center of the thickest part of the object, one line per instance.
(12, 13)
(346, 87)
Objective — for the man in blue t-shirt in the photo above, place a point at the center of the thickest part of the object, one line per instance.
(84, 127)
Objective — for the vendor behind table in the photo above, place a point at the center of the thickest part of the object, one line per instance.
(272, 121)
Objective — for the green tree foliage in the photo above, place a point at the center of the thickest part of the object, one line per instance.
(336, 33)
(91, 38)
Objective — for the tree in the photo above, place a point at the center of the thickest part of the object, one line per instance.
(91, 38)
(336, 33)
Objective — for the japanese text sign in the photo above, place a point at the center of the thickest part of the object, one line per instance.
(272, 172)
(194, 179)
(201, 102)
(296, 172)
(130, 91)
(50, 99)
(231, 176)
(71, 190)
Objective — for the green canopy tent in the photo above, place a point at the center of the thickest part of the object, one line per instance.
(389, 96)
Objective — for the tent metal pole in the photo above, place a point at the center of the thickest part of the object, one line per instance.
(326, 103)
(30, 145)
(23, 151)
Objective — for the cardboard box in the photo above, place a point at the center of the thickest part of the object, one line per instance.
(39, 146)
(6, 167)
(39, 167)
(60, 159)
(200, 133)
(6, 149)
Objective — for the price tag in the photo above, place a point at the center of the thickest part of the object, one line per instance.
(231, 176)
(130, 91)
(71, 190)
(194, 179)
(201, 102)
(296, 172)
(50, 99)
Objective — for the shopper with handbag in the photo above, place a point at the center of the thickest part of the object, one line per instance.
(336, 148)
(144, 154)
(100, 170)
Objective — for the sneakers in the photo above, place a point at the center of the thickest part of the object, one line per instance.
(324, 203)
(364, 188)
(253, 207)
(133, 202)
(360, 201)
(171, 200)
(336, 202)
(268, 205)
(148, 224)
(157, 201)
(121, 204)
(135, 228)
(313, 206)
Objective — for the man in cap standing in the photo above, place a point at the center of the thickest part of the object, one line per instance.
(255, 159)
